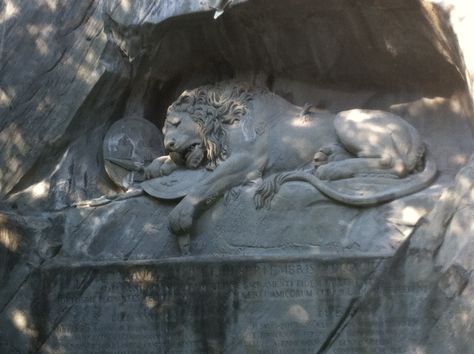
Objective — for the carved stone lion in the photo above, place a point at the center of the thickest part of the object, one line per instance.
(245, 133)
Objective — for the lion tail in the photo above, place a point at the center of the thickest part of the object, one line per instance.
(268, 188)
(271, 185)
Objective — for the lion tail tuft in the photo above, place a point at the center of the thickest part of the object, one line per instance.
(268, 188)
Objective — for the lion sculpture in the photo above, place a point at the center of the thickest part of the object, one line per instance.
(245, 133)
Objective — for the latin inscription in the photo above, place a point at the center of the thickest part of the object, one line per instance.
(189, 308)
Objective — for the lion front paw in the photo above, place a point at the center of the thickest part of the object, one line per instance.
(181, 218)
(153, 169)
(162, 166)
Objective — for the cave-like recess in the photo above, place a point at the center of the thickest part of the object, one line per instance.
(400, 56)
(397, 55)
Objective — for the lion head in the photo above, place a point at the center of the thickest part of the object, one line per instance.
(195, 126)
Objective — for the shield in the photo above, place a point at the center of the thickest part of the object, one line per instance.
(176, 185)
(134, 142)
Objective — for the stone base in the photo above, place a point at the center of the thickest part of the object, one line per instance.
(204, 305)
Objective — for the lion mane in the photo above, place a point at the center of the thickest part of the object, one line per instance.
(214, 106)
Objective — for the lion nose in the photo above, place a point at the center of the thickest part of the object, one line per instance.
(169, 144)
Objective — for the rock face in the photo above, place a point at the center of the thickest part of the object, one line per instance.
(422, 299)
(306, 275)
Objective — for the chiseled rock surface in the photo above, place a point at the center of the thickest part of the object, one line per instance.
(421, 302)
(50, 74)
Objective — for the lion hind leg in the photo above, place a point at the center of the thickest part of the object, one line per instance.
(348, 168)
